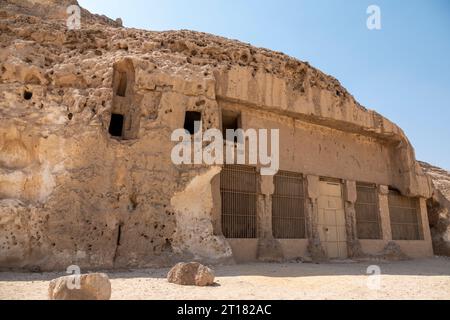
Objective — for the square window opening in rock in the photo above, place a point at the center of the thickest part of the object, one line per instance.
(190, 119)
(231, 120)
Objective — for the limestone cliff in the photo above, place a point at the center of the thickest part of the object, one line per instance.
(71, 194)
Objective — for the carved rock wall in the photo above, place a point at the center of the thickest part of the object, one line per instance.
(72, 194)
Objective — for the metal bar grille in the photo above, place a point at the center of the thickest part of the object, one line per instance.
(288, 206)
(367, 212)
(404, 216)
(238, 188)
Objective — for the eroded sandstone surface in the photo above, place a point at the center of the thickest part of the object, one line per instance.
(439, 208)
(72, 194)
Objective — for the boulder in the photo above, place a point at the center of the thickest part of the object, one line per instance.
(95, 286)
(191, 274)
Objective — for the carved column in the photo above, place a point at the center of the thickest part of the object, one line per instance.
(312, 219)
(383, 192)
(216, 212)
(423, 214)
(350, 197)
(269, 249)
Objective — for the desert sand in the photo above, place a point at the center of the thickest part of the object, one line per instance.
(416, 279)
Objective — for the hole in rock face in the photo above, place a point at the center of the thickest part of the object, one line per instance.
(119, 235)
(27, 95)
(116, 125)
(70, 116)
(189, 121)
(122, 88)
(230, 121)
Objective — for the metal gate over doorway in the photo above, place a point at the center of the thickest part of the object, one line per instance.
(332, 228)
(238, 188)
(288, 206)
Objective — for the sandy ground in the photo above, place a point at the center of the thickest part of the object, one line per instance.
(417, 279)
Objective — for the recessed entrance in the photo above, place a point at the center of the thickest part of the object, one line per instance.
(230, 121)
(404, 213)
(288, 206)
(191, 117)
(116, 125)
(238, 188)
(332, 219)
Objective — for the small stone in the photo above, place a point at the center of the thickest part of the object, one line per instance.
(191, 274)
(95, 286)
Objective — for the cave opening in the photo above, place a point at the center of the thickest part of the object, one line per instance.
(27, 95)
(116, 125)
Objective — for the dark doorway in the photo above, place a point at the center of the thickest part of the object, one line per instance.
(230, 121)
(189, 121)
(116, 125)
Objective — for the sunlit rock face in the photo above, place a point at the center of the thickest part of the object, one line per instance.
(439, 208)
(72, 192)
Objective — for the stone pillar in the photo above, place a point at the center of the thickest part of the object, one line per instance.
(312, 219)
(269, 249)
(264, 211)
(350, 196)
(216, 212)
(425, 224)
(383, 192)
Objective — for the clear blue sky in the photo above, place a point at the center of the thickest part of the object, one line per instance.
(402, 70)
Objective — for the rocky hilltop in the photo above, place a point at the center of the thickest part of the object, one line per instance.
(71, 194)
